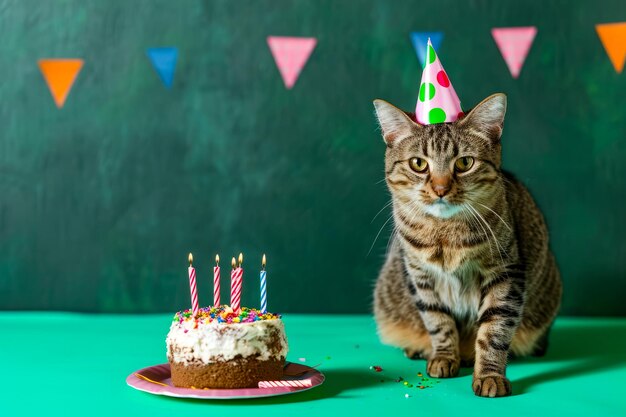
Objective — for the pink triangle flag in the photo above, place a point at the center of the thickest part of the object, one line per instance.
(291, 55)
(514, 44)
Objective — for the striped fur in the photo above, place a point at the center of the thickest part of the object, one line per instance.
(469, 277)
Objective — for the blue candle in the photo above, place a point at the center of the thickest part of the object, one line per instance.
(263, 287)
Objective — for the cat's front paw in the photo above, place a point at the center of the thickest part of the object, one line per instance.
(491, 386)
(440, 367)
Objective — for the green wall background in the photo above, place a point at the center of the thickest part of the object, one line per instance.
(101, 201)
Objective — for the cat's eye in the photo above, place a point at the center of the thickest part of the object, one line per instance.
(418, 165)
(464, 164)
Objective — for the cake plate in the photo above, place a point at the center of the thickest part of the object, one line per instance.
(156, 380)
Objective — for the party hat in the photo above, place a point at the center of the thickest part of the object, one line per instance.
(437, 101)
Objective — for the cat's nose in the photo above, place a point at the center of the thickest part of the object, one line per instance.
(441, 185)
(441, 190)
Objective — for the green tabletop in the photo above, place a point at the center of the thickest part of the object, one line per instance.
(73, 364)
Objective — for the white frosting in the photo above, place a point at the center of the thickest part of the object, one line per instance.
(219, 342)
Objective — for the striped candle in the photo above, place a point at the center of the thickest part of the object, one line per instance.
(216, 282)
(192, 287)
(236, 278)
(263, 286)
(294, 383)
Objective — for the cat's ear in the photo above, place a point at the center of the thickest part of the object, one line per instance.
(394, 123)
(487, 118)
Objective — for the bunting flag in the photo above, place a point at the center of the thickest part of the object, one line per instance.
(60, 75)
(514, 44)
(613, 38)
(291, 55)
(420, 43)
(164, 63)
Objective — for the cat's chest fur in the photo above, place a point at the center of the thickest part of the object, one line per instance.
(455, 278)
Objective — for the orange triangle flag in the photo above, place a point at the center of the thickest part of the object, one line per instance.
(613, 37)
(60, 75)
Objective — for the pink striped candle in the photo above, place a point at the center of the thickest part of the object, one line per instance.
(304, 383)
(192, 287)
(236, 278)
(216, 282)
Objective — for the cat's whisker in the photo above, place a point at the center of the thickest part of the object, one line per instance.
(381, 210)
(498, 246)
(415, 211)
(490, 229)
(378, 234)
(392, 237)
(468, 219)
(489, 239)
(488, 208)
(482, 227)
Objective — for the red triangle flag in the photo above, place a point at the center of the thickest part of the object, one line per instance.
(291, 55)
(60, 75)
(514, 44)
(613, 37)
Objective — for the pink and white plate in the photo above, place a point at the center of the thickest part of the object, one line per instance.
(161, 384)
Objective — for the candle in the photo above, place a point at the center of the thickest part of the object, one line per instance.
(263, 286)
(236, 278)
(216, 282)
(192, 286)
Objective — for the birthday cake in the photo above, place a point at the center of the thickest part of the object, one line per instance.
(224, 349)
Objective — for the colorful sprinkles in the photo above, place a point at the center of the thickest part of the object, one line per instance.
(422, 383)
(224, 314)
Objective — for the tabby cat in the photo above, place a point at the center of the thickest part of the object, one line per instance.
(469, 277)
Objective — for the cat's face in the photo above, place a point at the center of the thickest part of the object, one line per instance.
(440, 169)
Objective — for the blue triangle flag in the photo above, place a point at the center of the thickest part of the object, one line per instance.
(420, 41)
(164, 62)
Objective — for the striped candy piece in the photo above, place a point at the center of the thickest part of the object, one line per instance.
(216, 286)
(194, 290)
(278, 384)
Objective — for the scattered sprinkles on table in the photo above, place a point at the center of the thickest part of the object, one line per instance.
(224, 314)
(423, 382)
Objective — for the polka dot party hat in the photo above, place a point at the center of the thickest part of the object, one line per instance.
(437, 101)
